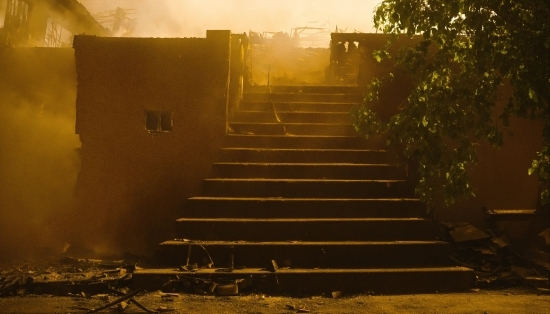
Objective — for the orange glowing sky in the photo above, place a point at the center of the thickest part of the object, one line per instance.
(191, 18)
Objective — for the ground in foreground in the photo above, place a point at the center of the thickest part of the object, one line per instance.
(514, 300)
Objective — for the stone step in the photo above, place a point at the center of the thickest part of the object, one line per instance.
(239, 207)
(319, 89)
(297, 106)
(307, 188)
(293, 128)
(342, 254)
(290, 117)
(303, 97)
(305, 229)
(302, 142)
(308, 170)
(296, 184)
(236, 154)
(314, 281)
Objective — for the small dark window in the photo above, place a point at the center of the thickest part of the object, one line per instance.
(158, 121)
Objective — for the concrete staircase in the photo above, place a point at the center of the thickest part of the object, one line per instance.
(296, 185)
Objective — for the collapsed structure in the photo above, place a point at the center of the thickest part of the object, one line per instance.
(47, 23)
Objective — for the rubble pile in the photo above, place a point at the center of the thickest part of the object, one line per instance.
(65, 276)
(204, 286)
(495, 261)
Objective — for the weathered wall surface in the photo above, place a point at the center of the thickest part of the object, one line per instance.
(133, 183)
(500, 178)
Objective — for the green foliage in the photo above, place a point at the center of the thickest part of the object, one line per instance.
(469, 56)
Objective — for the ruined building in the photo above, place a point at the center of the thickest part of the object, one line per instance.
(240, 181)
(259, 177)
(47, 23)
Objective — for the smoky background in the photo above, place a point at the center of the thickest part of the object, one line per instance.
(191, 18)
(39, 161)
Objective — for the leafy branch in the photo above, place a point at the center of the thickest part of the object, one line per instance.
(468, 57)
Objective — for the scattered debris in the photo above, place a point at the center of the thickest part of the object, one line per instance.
(272, 266)
(227, 289)
(544, 238)
(467, 232)
(494, 259)
(203, 286)
(132, 300)
(336, 294)
(163, 309)
(115, 302)
(78, 278)
(122, 306)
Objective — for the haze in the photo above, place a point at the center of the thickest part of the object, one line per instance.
(191, 18)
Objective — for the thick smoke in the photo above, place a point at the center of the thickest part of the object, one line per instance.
(3, 4)
(38, 166)
(191, 18)
(38, 146)
(38, 158)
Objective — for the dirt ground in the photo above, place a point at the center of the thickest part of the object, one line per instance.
(512, 300)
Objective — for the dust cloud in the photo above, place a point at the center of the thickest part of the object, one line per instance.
(191, 18)
(38, 159)
(3, 4)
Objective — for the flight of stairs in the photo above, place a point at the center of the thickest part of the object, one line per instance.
(299, 203)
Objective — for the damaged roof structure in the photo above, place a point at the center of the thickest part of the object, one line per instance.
(39, 23)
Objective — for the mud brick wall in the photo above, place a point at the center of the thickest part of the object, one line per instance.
(134, 182)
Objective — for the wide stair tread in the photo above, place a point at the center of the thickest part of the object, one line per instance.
(293, 128)
(280, 207)
(267, 116)
(313, 188)
(307, 170)
(304, 155)
(299, 141)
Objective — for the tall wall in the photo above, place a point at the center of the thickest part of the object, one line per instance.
(500, 178)
(134, 182)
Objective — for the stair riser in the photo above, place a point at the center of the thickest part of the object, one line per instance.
(313, 156)
(323, 107)
(308, 172)
(311, 256)
(293, 129)
(286, 117)
(320, 189)
(377, 282)
(383, 230)
(196, 208)
(301, 97)
(308, 142)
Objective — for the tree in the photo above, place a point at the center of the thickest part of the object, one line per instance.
(471, 56)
